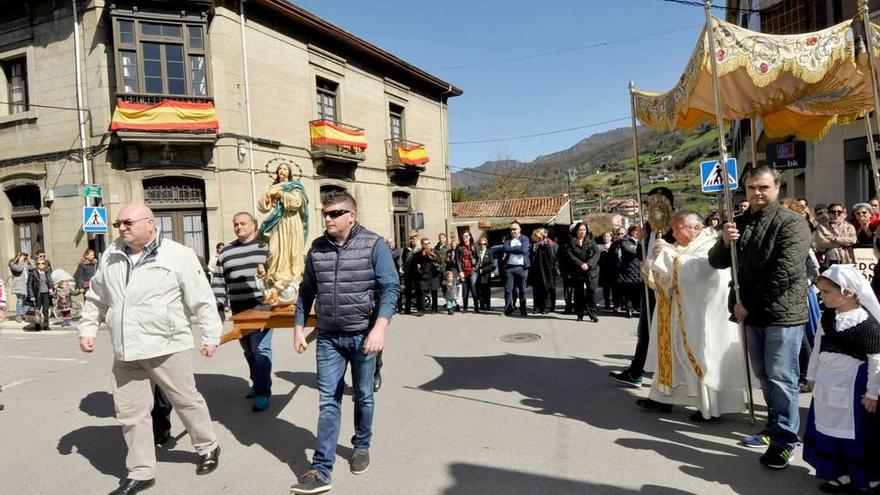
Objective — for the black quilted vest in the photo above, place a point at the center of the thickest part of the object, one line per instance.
(345, 280)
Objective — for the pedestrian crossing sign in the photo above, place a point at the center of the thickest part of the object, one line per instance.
(711, 175)
(94, 219)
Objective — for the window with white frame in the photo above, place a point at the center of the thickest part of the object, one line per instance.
(15, 79)
(161, 57)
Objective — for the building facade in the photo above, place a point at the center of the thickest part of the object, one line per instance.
(837, 168)
(189, 106)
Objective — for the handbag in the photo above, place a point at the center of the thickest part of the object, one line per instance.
(33, 316)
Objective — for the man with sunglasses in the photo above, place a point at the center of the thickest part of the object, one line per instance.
(144, 289)
(836, 236)
(350, 276)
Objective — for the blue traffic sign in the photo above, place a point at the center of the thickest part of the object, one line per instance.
(711, 176)
(94, 219)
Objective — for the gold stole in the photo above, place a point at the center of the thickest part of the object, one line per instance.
(664, 334)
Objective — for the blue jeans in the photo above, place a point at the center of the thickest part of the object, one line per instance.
(469, 288)
(257, 347)
(773, 352)
(334, 352)
(20, 306)
(515, 276)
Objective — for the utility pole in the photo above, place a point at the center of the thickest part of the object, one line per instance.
(571, 176)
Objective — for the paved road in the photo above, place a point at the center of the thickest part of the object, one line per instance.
(461, 412)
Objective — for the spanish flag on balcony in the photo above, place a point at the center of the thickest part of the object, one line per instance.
(169, 115)
(325, 132)
(414, 154)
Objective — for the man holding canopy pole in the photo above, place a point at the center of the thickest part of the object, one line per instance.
(772, 244)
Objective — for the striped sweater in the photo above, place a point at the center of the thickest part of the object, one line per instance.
(235, 277)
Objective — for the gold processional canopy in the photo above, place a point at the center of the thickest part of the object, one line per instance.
(799, 85)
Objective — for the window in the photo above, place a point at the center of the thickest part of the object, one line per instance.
(400, 217)
(161, 58)
(395, 113)
(15, 71)
(326, 99)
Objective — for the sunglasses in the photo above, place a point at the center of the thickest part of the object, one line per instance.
(334, 213)
(835, 212)
(127, 223)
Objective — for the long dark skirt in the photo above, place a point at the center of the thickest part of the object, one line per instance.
(858, 458)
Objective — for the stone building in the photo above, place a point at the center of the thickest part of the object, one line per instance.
(837, 168)
(190, 105)
(492, 217)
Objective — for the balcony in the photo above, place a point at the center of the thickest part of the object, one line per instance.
(405, 155)
(153, 99)
(337, 142)
(165, 119)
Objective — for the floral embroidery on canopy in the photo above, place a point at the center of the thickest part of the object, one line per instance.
(799, 84)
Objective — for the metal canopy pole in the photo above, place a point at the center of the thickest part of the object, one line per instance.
(728, 202)
(869, 46)
(644, 241)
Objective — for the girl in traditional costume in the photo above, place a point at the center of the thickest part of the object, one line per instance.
(842, 440)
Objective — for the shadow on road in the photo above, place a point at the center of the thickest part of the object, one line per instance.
(281, 438)
(103, 446)
(480, 480)
(579, 389)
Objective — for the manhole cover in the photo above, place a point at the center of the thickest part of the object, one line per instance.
(519, 338)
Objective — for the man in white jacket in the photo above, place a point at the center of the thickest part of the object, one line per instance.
(145, 288)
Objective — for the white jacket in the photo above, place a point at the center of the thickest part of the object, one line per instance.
(147, 306)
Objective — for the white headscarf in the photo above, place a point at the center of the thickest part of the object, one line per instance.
(848, 278)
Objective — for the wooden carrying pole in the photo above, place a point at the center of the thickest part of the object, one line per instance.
(728, 202)
(644, 241)
(869, 47)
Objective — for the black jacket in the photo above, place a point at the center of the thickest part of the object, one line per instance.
(428, 270)
(33, 284)
(629, 264)
(484, 266)
(84, 273)
(607, 265)
(578, 255)
(542, 271)
(773, 244)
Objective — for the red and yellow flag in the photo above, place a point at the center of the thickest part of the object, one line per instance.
(412, 154)
(324, 132)
(169, 115)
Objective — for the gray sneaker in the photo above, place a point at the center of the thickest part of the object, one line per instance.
(360, 461)
(310, 483)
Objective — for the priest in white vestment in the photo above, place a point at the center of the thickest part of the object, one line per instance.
(696, 352)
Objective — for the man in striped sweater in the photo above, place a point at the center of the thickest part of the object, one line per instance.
(235, 286)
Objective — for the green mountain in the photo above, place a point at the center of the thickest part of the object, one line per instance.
(602, 167)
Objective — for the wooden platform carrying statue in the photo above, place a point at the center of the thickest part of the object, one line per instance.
(285, 229)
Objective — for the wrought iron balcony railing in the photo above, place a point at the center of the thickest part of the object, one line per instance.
(337, 141)
(406, 155)
(153, 99)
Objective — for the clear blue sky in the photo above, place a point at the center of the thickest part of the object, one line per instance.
(533, 95)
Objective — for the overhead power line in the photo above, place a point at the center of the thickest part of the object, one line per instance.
(525, 136)
(598, 44)
(694, 3)
(520, 177)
